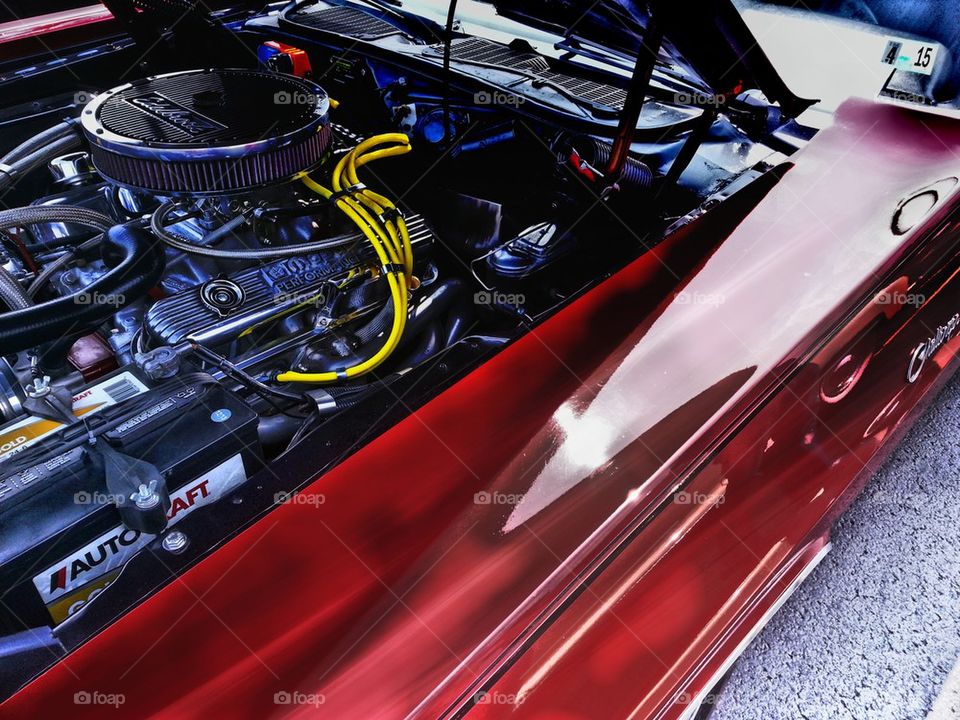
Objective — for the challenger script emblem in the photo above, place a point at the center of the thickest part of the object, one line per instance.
(190, 121)
(926, 349)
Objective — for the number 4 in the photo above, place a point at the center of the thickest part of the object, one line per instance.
(891, 53)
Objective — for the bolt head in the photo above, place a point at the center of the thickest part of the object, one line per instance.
(175, 541)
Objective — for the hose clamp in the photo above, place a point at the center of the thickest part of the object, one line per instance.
(348, 191)
(391, 214)
(393, 268)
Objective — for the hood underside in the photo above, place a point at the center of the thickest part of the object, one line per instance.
(710, 40)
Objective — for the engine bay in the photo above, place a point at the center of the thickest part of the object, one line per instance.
(206, 269)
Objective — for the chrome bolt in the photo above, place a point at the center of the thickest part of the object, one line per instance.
(175, 541)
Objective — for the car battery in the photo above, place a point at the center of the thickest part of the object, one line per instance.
(61, 535)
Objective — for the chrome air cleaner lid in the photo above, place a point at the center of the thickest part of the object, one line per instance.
(208, 132)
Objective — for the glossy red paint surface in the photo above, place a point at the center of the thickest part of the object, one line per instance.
(52, 22)
(575, 583)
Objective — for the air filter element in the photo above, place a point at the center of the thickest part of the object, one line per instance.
(208, 132)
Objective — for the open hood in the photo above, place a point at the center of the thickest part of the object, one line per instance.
(709, 39)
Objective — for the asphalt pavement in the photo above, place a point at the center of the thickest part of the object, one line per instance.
(874, 632)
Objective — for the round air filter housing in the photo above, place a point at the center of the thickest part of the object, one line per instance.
(208, 132)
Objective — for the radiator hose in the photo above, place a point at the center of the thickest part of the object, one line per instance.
(136, 262)
(36, 151)
(67, 128)
(12, 295)
(39, 214)
(10, 291)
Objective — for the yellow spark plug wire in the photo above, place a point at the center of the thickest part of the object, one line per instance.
(384, 228)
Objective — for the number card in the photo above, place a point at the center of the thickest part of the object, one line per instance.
(911, 55)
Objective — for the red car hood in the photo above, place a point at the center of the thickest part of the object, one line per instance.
(419, 569)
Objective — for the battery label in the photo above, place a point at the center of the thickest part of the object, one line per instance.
(67, 605)
(12, 484)
(113, 549)
(21, 434)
